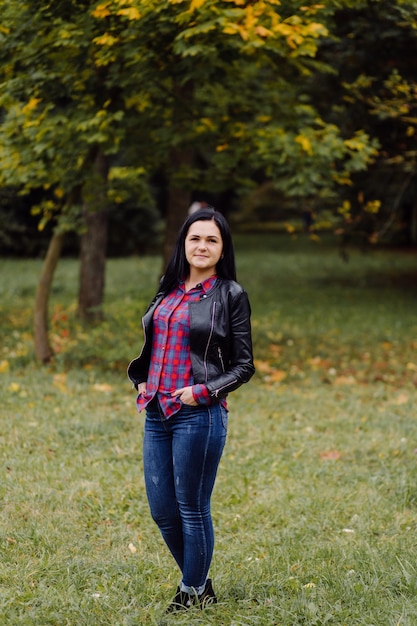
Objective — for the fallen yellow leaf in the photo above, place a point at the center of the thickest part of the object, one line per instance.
(102, 387)
(402, 398)
(4, 366)
(262, 366)
(277, 376)
(60, 381)
(344, 380)
(330, 455)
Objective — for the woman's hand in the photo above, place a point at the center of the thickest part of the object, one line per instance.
(141, 388)
(185, 394)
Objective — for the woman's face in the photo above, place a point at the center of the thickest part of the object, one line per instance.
(203, 246)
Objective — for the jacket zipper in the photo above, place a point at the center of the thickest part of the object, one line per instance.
(209, 339)
(219, 350)
(232, 382)
(217, 391)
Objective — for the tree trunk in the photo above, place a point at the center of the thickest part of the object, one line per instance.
(43, 351)
(413, 224)
(94, 244)
(179, 200)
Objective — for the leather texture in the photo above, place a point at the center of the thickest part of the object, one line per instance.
(220, 340)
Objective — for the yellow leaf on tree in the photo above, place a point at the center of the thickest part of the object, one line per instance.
(131, 13)
(305, 143)
(196, 4)
(317, 29)
(230, 29)
(250, 18)
(345, 208)
(208, 122)
(263, 32)
(102, 10)
(32, 104)
(354, 144)
(105, 40)
(373, 206)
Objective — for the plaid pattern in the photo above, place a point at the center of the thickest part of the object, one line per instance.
(170, 366)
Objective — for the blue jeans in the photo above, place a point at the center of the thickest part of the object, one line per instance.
(181, 456)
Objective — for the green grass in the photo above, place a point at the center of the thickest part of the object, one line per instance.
(315, 505)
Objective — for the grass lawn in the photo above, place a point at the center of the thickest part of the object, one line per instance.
(315, 506)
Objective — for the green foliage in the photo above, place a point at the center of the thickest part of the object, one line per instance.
(315, 500)
(135, 225)
(125, 78)
(373, 88)
(307, 97)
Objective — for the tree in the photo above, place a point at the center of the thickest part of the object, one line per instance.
(373, 87)
(248, 113)
(216, 96)
(61, 123)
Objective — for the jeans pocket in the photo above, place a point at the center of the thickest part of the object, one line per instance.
(188, 408)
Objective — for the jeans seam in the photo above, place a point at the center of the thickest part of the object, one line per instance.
(202, 479)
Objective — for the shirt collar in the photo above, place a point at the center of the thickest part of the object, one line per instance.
(204, 286)
(209, 283)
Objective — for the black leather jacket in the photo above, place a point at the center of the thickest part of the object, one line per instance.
(220, 340)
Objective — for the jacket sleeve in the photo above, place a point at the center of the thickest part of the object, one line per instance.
(239, 368)
(138, 369)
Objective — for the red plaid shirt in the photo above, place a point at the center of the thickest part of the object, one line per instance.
(170, 366)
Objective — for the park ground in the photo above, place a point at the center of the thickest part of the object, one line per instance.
(315, 505)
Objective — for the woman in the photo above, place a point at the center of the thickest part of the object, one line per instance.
(197, 348)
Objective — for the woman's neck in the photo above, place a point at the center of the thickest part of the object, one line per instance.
(197, 277)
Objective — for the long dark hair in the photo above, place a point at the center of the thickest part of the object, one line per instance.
(178, 267)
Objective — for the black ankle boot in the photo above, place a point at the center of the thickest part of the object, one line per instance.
(207, 597)
(184, 600)
(181, 602)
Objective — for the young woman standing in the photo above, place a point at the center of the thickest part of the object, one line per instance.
(197, 348)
